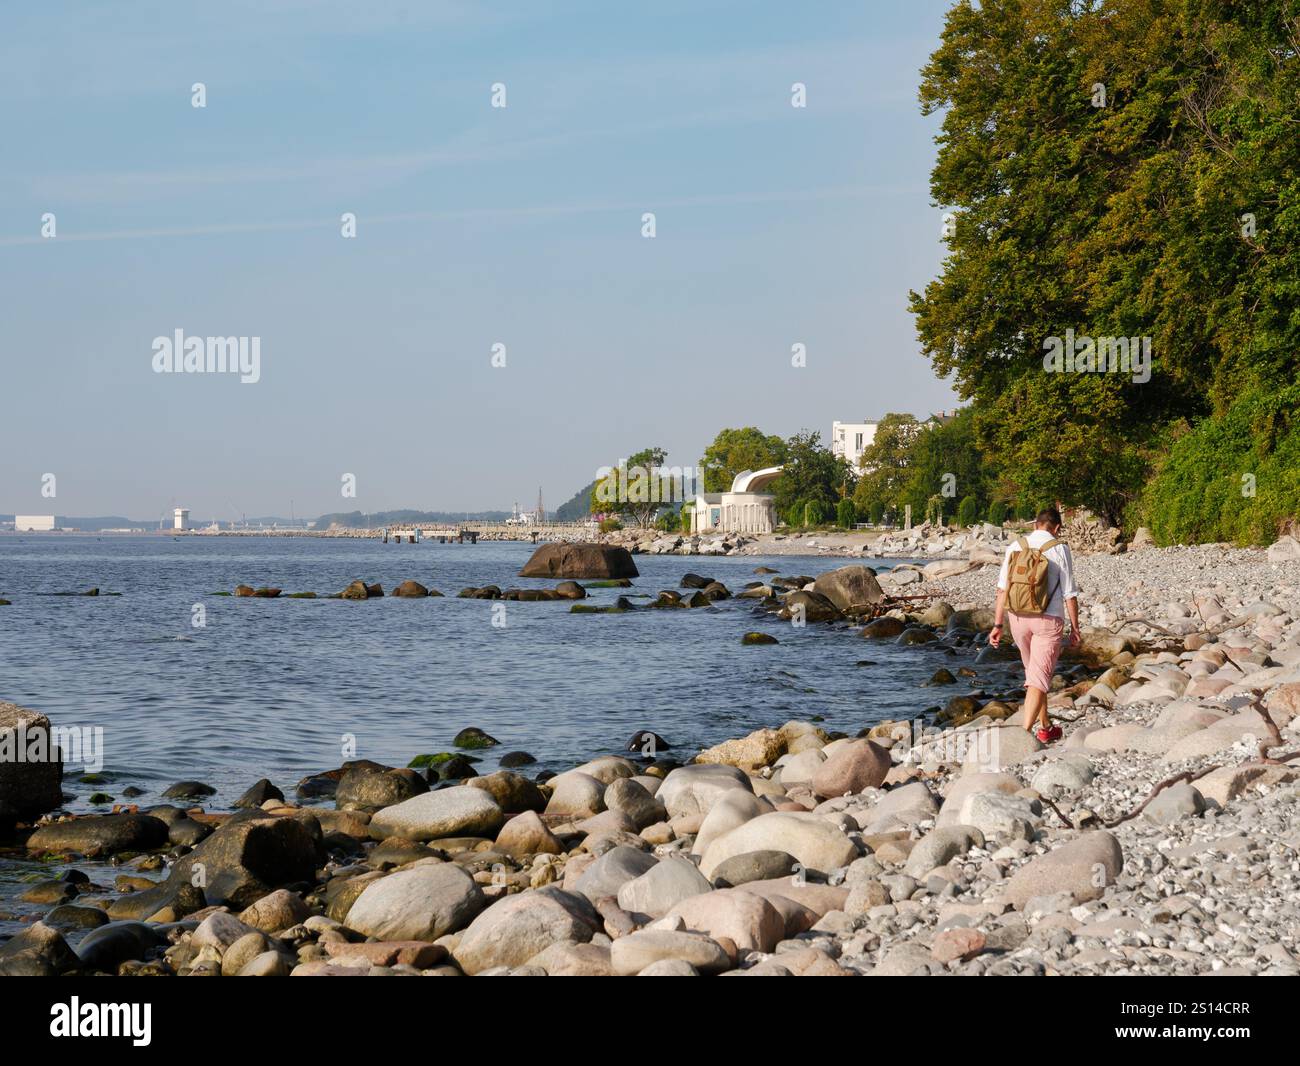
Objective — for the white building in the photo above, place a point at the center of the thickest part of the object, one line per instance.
(181, 518)
(742, 510)
(850, 439)
(31, 523)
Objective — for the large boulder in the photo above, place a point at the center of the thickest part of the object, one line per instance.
(513, 930)
(249, 857)
(101, 834)
(695, 789)
(816, 843)
(1083, 867)
(368, 788)
(852, 767)
(851, 588)
(747, 919)
(759, 748)
(638, 951)
(449, 812)
(29, 786)
(655, 892)
(563, 559)
(809, 607)
(420, 903)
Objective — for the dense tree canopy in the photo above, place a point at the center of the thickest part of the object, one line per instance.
(734, 451)
(1127, 169)
(811, 475)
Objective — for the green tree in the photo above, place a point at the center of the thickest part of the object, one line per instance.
(636, 489)
(968, 511)
(811, 474)
(846, 514)
(884, 462)
(1164, 211)
(944, 458)
(734, 451)
(997, 513)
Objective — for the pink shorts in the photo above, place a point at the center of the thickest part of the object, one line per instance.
(1038, 637)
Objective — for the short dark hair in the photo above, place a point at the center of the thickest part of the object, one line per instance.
(1049, 516)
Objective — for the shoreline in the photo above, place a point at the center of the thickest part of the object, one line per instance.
(972, 852)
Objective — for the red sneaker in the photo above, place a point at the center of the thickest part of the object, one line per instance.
(1046, 736)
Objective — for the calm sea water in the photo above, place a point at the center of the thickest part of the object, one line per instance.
(271, 687)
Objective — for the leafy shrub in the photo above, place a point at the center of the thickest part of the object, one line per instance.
(997, 513)
(1234, 477)
(968, 511)
(845, 514)
(610, 525)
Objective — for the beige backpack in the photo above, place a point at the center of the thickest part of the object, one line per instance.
(1027, 576)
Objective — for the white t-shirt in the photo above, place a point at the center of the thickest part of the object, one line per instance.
(1060, 571)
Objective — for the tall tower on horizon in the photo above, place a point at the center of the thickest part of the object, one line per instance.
(541, 510)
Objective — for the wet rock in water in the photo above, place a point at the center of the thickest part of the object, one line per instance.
(648, 743)
(853, 589)
(942, 676)
(487, 592)
(915, 635)
(131, 791)
(515, 929)
(959, 708)
(694, 581)
(883, 628)
(54, 891)
(29, 786)
(512, 759)
(613, 583)
(473, 737)
(564, 559)
(698, 599)
(716, 590)
(764, 570)
(259, 793)
(810, 606)
(359, 590)
(410, 590)
(72, 916)
(570, 590)
(189, 790)
(591, 608)
(365, 788)
(177, 900)
(449, 812)
(244, 590)
(758, 638)
(420, 903)
(266, 593)
(101, 834)
(667, 598)
(251, 855)
(753, 866)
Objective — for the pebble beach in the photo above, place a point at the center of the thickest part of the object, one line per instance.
(1159, 836)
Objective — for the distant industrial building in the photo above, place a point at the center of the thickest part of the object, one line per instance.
(32, 523)
(181, 518)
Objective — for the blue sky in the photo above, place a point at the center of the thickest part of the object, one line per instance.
(476, 225)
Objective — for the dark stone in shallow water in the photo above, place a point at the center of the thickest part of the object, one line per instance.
(72, 916)
(189, 790)
(187, 832)
(473, 737)
(259, 793)
(648, 743)
(512, 759)
(101, 834)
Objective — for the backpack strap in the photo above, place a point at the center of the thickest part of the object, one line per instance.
(1022, 544)
(1054, 542)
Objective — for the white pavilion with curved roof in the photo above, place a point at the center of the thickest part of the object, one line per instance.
(744, 509)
